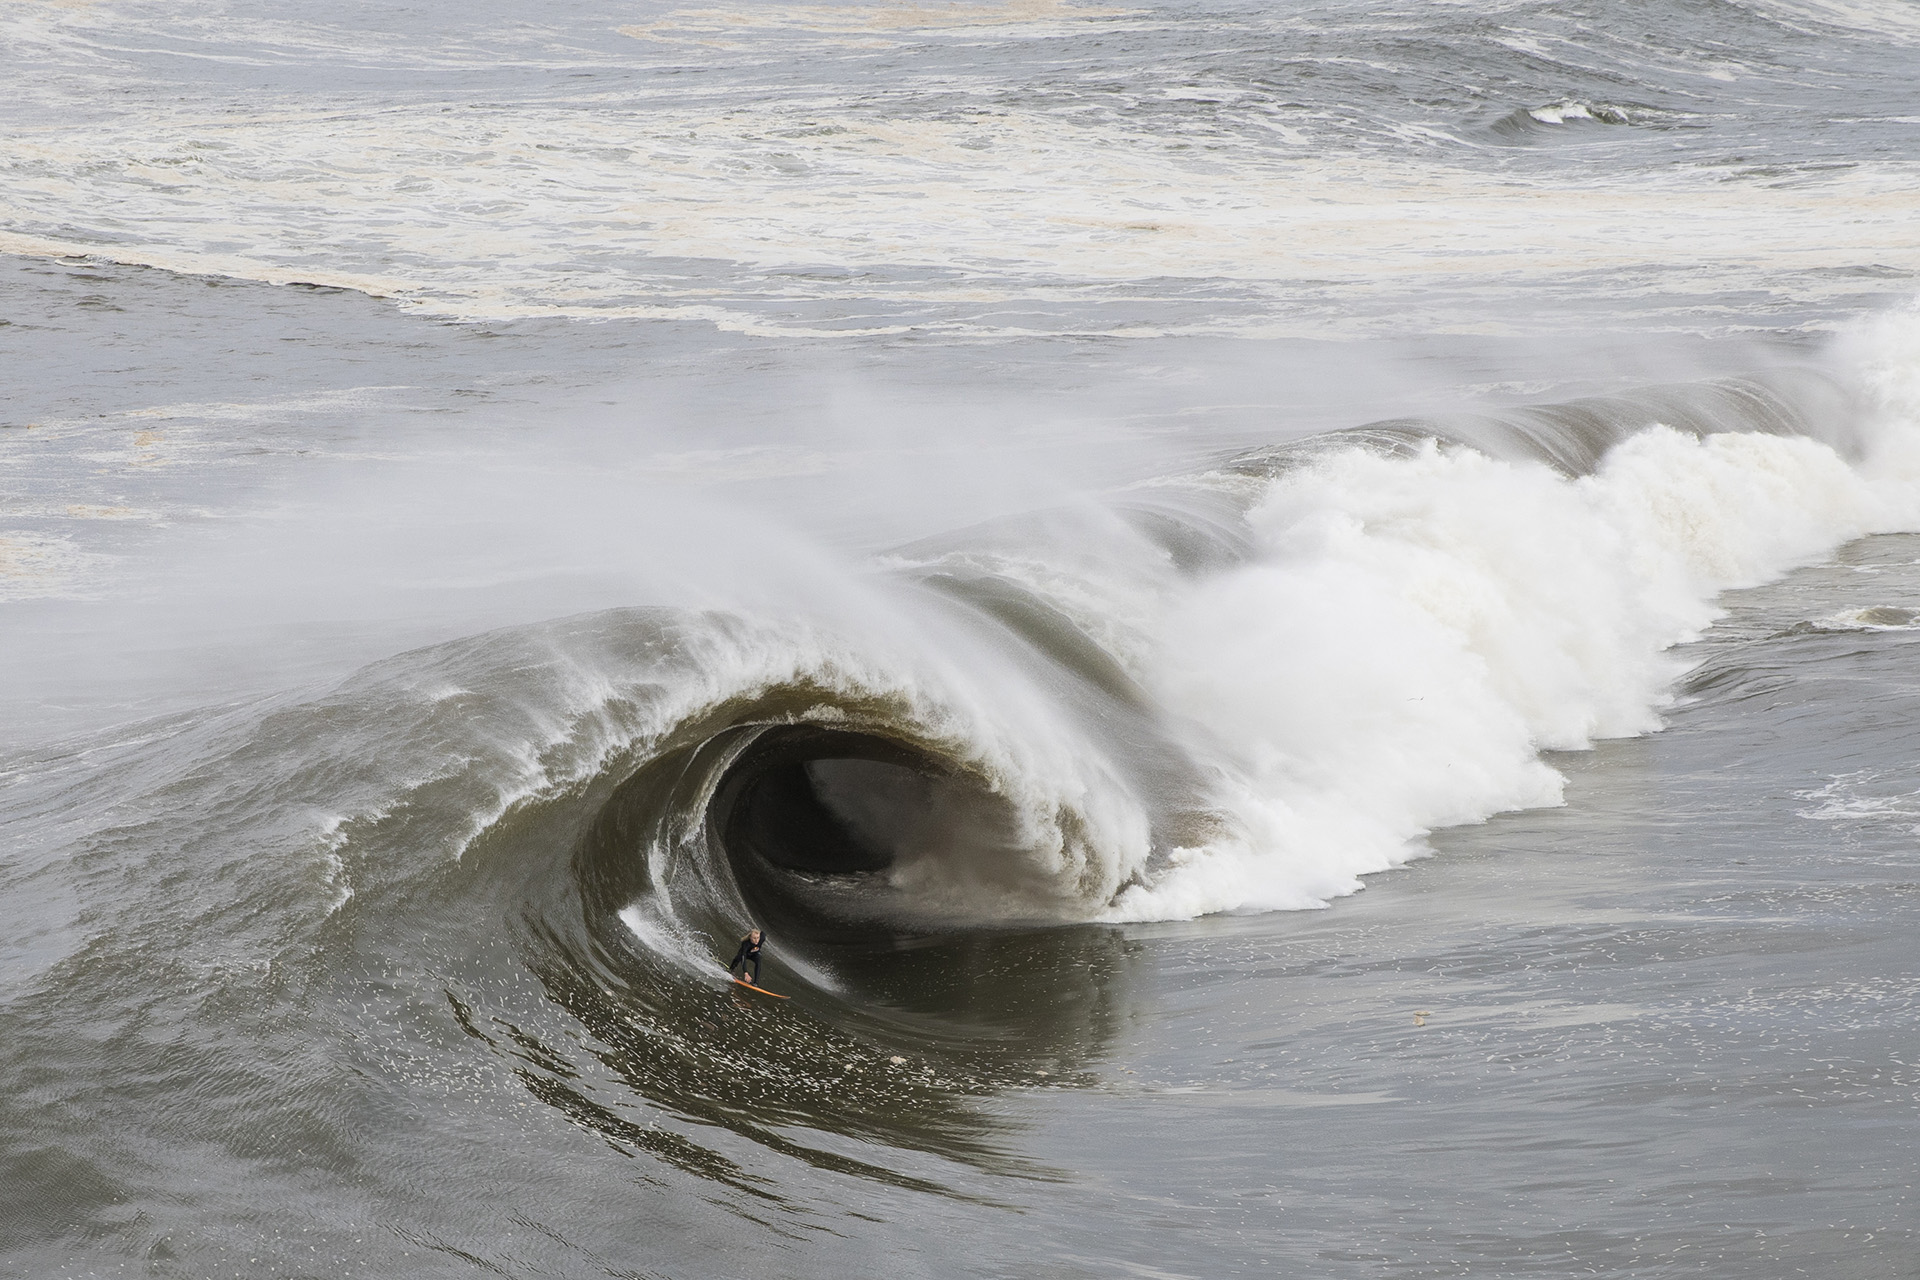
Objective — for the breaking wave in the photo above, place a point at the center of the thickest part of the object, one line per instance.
(1240, 689)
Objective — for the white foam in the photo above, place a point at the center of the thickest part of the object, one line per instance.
(1889, 21)
(1862, 797)
(1872, 618)
(595, 207)
(1416, 631)
(664, 935)
(724, 27)
(37, 565)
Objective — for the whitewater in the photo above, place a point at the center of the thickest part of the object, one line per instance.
(1296, 619)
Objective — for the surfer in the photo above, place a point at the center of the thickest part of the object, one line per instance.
(748, 954)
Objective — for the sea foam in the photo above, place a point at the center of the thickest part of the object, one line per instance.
(1415, 631)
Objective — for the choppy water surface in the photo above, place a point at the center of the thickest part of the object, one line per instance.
(1038, 505)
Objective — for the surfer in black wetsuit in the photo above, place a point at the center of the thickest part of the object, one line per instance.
(748, 954)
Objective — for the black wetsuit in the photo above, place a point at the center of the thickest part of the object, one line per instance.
(748, 954)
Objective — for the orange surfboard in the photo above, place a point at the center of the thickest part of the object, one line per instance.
(742, 982)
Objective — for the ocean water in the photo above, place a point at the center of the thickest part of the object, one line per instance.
(1298, 620)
